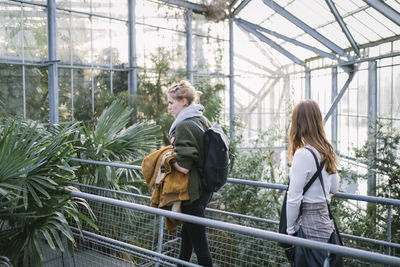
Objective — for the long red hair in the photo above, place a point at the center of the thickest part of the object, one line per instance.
(307, 128)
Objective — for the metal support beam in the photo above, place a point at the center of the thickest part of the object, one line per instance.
(231, 83)
(53, 63)
(340, 95)
(132, 76)
(308, 85)
(256, 64)
(272, 44)
(240, 7)
(185, 4)
(233, 3)
(343, 26)
(385, 9)
(317, 36)
(334, 119)
(290, 40)
(372, 116)
(189, 68)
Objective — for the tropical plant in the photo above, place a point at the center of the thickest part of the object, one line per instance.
(387, 170)
(35, 202)
(113, 139)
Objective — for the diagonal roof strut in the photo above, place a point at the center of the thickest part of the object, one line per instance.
(316, 35)
(385, 10)
(342, 25)
(290, 40)
(271, 43)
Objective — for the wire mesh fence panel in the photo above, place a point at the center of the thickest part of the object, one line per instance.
(143, 230)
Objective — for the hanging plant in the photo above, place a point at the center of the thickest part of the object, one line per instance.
(216, 9)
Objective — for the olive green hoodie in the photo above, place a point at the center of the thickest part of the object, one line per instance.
(190, 151)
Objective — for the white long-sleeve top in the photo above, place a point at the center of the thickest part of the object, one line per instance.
(303, 168)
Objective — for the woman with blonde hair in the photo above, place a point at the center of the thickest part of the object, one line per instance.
(309, 211)
(187, 139)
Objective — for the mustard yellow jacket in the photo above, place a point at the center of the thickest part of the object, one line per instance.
(169, 185)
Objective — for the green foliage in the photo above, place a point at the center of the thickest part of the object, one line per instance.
(387, 167)
(34, 200)
(113, 139)
(255, 165)
(151, 100)
(210, 100)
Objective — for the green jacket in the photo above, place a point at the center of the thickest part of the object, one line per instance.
(190, 152)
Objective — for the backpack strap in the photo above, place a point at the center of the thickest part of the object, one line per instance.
(198, 125)
(316, 174)
(326, 199)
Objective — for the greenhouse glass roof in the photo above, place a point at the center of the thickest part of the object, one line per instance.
(304, 29)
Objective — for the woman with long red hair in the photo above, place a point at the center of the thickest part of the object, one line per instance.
(307, 133)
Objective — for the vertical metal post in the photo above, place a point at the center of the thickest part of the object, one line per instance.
(23, 61)
(91, 57)
(308, 85)
(389, 226)
(189, 67)
(52, 58)
(160, 237)
(372, 115)
(231, 83)
(132, 77)
(334, 117)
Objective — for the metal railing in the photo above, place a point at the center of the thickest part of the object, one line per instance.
(249, 231)
(164, 244)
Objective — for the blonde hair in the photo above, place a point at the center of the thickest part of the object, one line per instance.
(183, 89)
(307, 127)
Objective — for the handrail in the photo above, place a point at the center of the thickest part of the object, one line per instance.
(341, 250)
(380, 200)
(359, 238)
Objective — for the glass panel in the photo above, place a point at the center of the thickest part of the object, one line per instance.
(357, 29)
(343, 133)
(35, 33)
(119, 9)
(382, 25)
(82, 94)
(65, 94)
(102, 91)
(345, 6)
(81, 44)
(102, 7)
(120, 81)
(161, 15)
(101, 41)
(11, 90)
(368, 31)
(119, 43)
(79, 5)
(63, 4)
(353, 130)
(10, 30)
(64, 37)
(321, 89)
(362, 92)
(353, 93)
(362, 131)
(396, 94)
(384, 92)
(37, 96)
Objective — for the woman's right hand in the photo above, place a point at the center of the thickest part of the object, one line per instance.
(173, 141)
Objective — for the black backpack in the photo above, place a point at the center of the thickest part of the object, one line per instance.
(216, 153)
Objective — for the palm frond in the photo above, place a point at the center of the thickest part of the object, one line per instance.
(34, 164)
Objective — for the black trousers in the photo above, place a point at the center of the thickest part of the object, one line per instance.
(194, 235)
